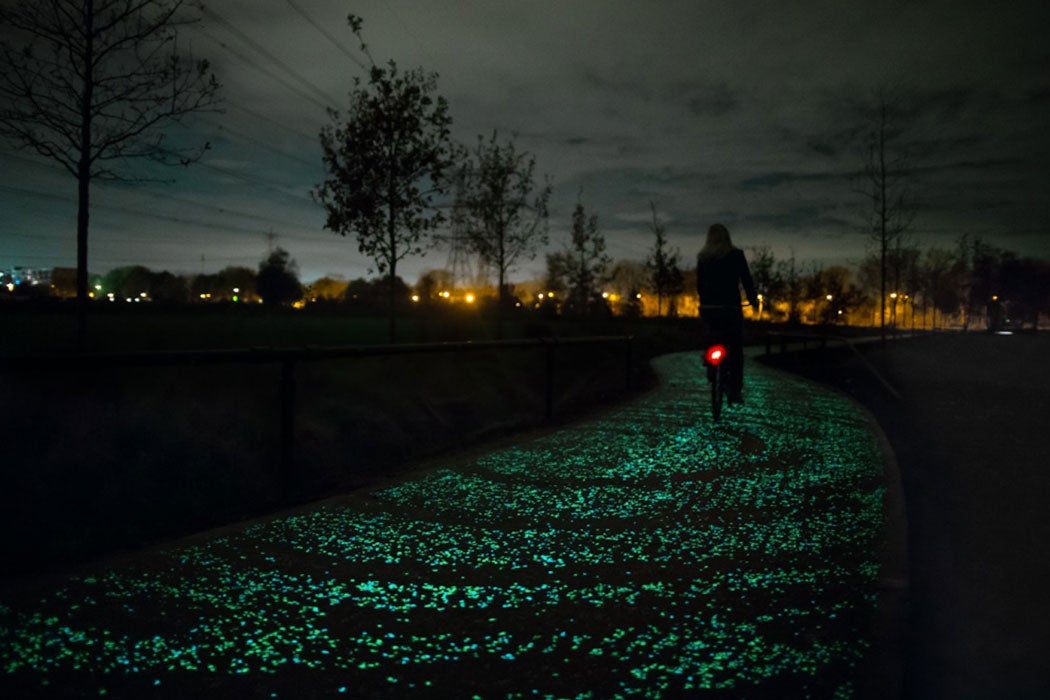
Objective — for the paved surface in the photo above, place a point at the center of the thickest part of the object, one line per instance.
(643, 553)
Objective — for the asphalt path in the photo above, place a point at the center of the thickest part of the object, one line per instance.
(969, 429)
(644, 552)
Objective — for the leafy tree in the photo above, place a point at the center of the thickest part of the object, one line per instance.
(583, 262)
(278, 280)
(358, 293)
(128, 282)
(372, 295)
(93, 87)
(328, 289)
(169, 287)
(767, 275)
(665, 275)
(390, 288)
(132, 281)
(832, 290)
(387, 159)
(556, 274)
(432, 282)
(239, 278)
(939, 288)
(500, 209)
(220, 286)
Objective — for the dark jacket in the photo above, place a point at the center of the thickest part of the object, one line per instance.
(718, 281)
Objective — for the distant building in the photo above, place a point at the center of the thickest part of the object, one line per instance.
(15, 277)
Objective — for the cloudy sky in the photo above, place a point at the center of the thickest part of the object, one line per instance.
(744, 113)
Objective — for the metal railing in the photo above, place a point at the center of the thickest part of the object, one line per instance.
(820, 340)
(288, 358)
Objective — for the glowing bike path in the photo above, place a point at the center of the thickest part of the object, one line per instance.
(645, 553)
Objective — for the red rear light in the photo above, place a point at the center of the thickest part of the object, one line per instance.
(715, 354)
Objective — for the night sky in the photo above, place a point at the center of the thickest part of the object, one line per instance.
(743, 113)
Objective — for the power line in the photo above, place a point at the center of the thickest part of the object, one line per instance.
(197, 223)
(266, 71)
(274, 122)
(254, 181)
(261, 50)
(335, 42)
(261, 144)
(151, 193)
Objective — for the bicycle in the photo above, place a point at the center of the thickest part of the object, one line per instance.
(717, 376)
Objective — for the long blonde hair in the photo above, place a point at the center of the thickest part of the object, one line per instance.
(718, 244)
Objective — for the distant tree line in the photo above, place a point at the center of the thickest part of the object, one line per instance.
(973, 284)
(275, 283)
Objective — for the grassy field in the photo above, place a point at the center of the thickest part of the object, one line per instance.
(52, 328)
(116, 458)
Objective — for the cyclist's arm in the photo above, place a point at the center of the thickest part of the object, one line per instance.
(745, 279)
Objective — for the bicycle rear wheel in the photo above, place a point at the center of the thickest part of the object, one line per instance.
(717, 393)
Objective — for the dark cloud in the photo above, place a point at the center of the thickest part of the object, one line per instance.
(768, 181)
(713, 101)
(752, 113)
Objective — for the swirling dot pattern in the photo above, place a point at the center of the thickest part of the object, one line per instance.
(644, 553)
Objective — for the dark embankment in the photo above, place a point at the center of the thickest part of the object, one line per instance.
(100, 460)
(969, 431)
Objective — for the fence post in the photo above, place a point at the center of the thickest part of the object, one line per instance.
(630, 358)
(549, 345)
(287, 424)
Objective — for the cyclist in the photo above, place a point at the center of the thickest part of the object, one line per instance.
(721, 269)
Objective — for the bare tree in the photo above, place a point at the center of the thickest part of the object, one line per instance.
(787, 270)
(93, 85)
(663, 265)
(387, 160)
(887, 178)
(769, 282)
(500, 211)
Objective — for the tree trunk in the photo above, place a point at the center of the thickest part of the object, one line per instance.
(84, 176)
(392, 237)
(882, 228)
(501, 292)
(83, 203)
